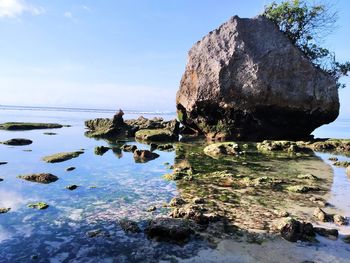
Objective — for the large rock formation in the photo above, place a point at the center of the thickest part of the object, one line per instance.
(246, 80)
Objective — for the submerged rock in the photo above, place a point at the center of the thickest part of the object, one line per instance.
(16, 126)
(72, 187)
(328, 233)
(144, 155)
(295, 230)
(162, 147)
(169, 229)
(101, 150)
(246, 80)
(44, 178)
(223, 148)
(17, 142)
(129, 226)
(61, 157)
(39, 205)
(4, 210)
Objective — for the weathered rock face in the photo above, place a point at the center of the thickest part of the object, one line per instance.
(246, 80)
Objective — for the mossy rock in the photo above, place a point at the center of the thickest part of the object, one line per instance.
(17, 126)
(307, 177)
(222, 148)
(302, 189)
(156, 135)
(61, 157)
(101, 150)
(39, 205)
(44, 178)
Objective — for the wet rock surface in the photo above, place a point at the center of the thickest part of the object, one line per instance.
(235, 85)
(17, 126)
(129, 226)
(295, 230)
(169, 229)
(44, 178)
(39, 206)
(155, 135)
(117, 127)
(61, 157)
(72, 187)
(18, 142)
(224, 148)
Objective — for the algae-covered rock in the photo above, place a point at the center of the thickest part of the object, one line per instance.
(129, 226)
(302, 188)
(4, 210)
(342, 164)
(295, 230)
(286, 146)
(222, 148)
(332, 145)
(61, 157)
(169, 229)
(162, 147)
(307, 177)
(39, 205)
(18, 142)
(144, 155)
(155, 135)
(16, 126)
(101, 150)
(44, 178)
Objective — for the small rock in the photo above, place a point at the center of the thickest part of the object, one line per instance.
(224, 148)
(295, 230)
(156, 135)
(177, 201)
(339, 220)
(18, 142)
(1, 179)
(44, 178)
(329, 233)
(162, 147)
(151, 209)
(129, 226)
(301, 189)
(4, 210)
(49, 133)
(198, 200)
(70, 169)
(307, 177)
(342, 163)
(334, 159)
(2, 163)
(321, 215)
(101, 150)
(95, 233)
(72, 187)
(169, 229)
(39, 205)
(61, 157)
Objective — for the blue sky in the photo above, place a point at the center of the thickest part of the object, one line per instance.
(111, 54)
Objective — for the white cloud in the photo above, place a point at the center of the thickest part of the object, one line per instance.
(68, 14)
(16, 8)
(86, 8)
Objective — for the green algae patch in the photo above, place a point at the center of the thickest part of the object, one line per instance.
(156, 135)
(222, 148)
(22, 126)
(39, 205)
(302, 188)
(61, 157)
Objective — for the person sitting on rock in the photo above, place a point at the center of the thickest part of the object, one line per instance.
(118, 118)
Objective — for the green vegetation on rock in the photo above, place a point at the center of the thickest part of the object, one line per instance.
(61, 157)
(39, 205)
(15, 126)
(155, 135)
